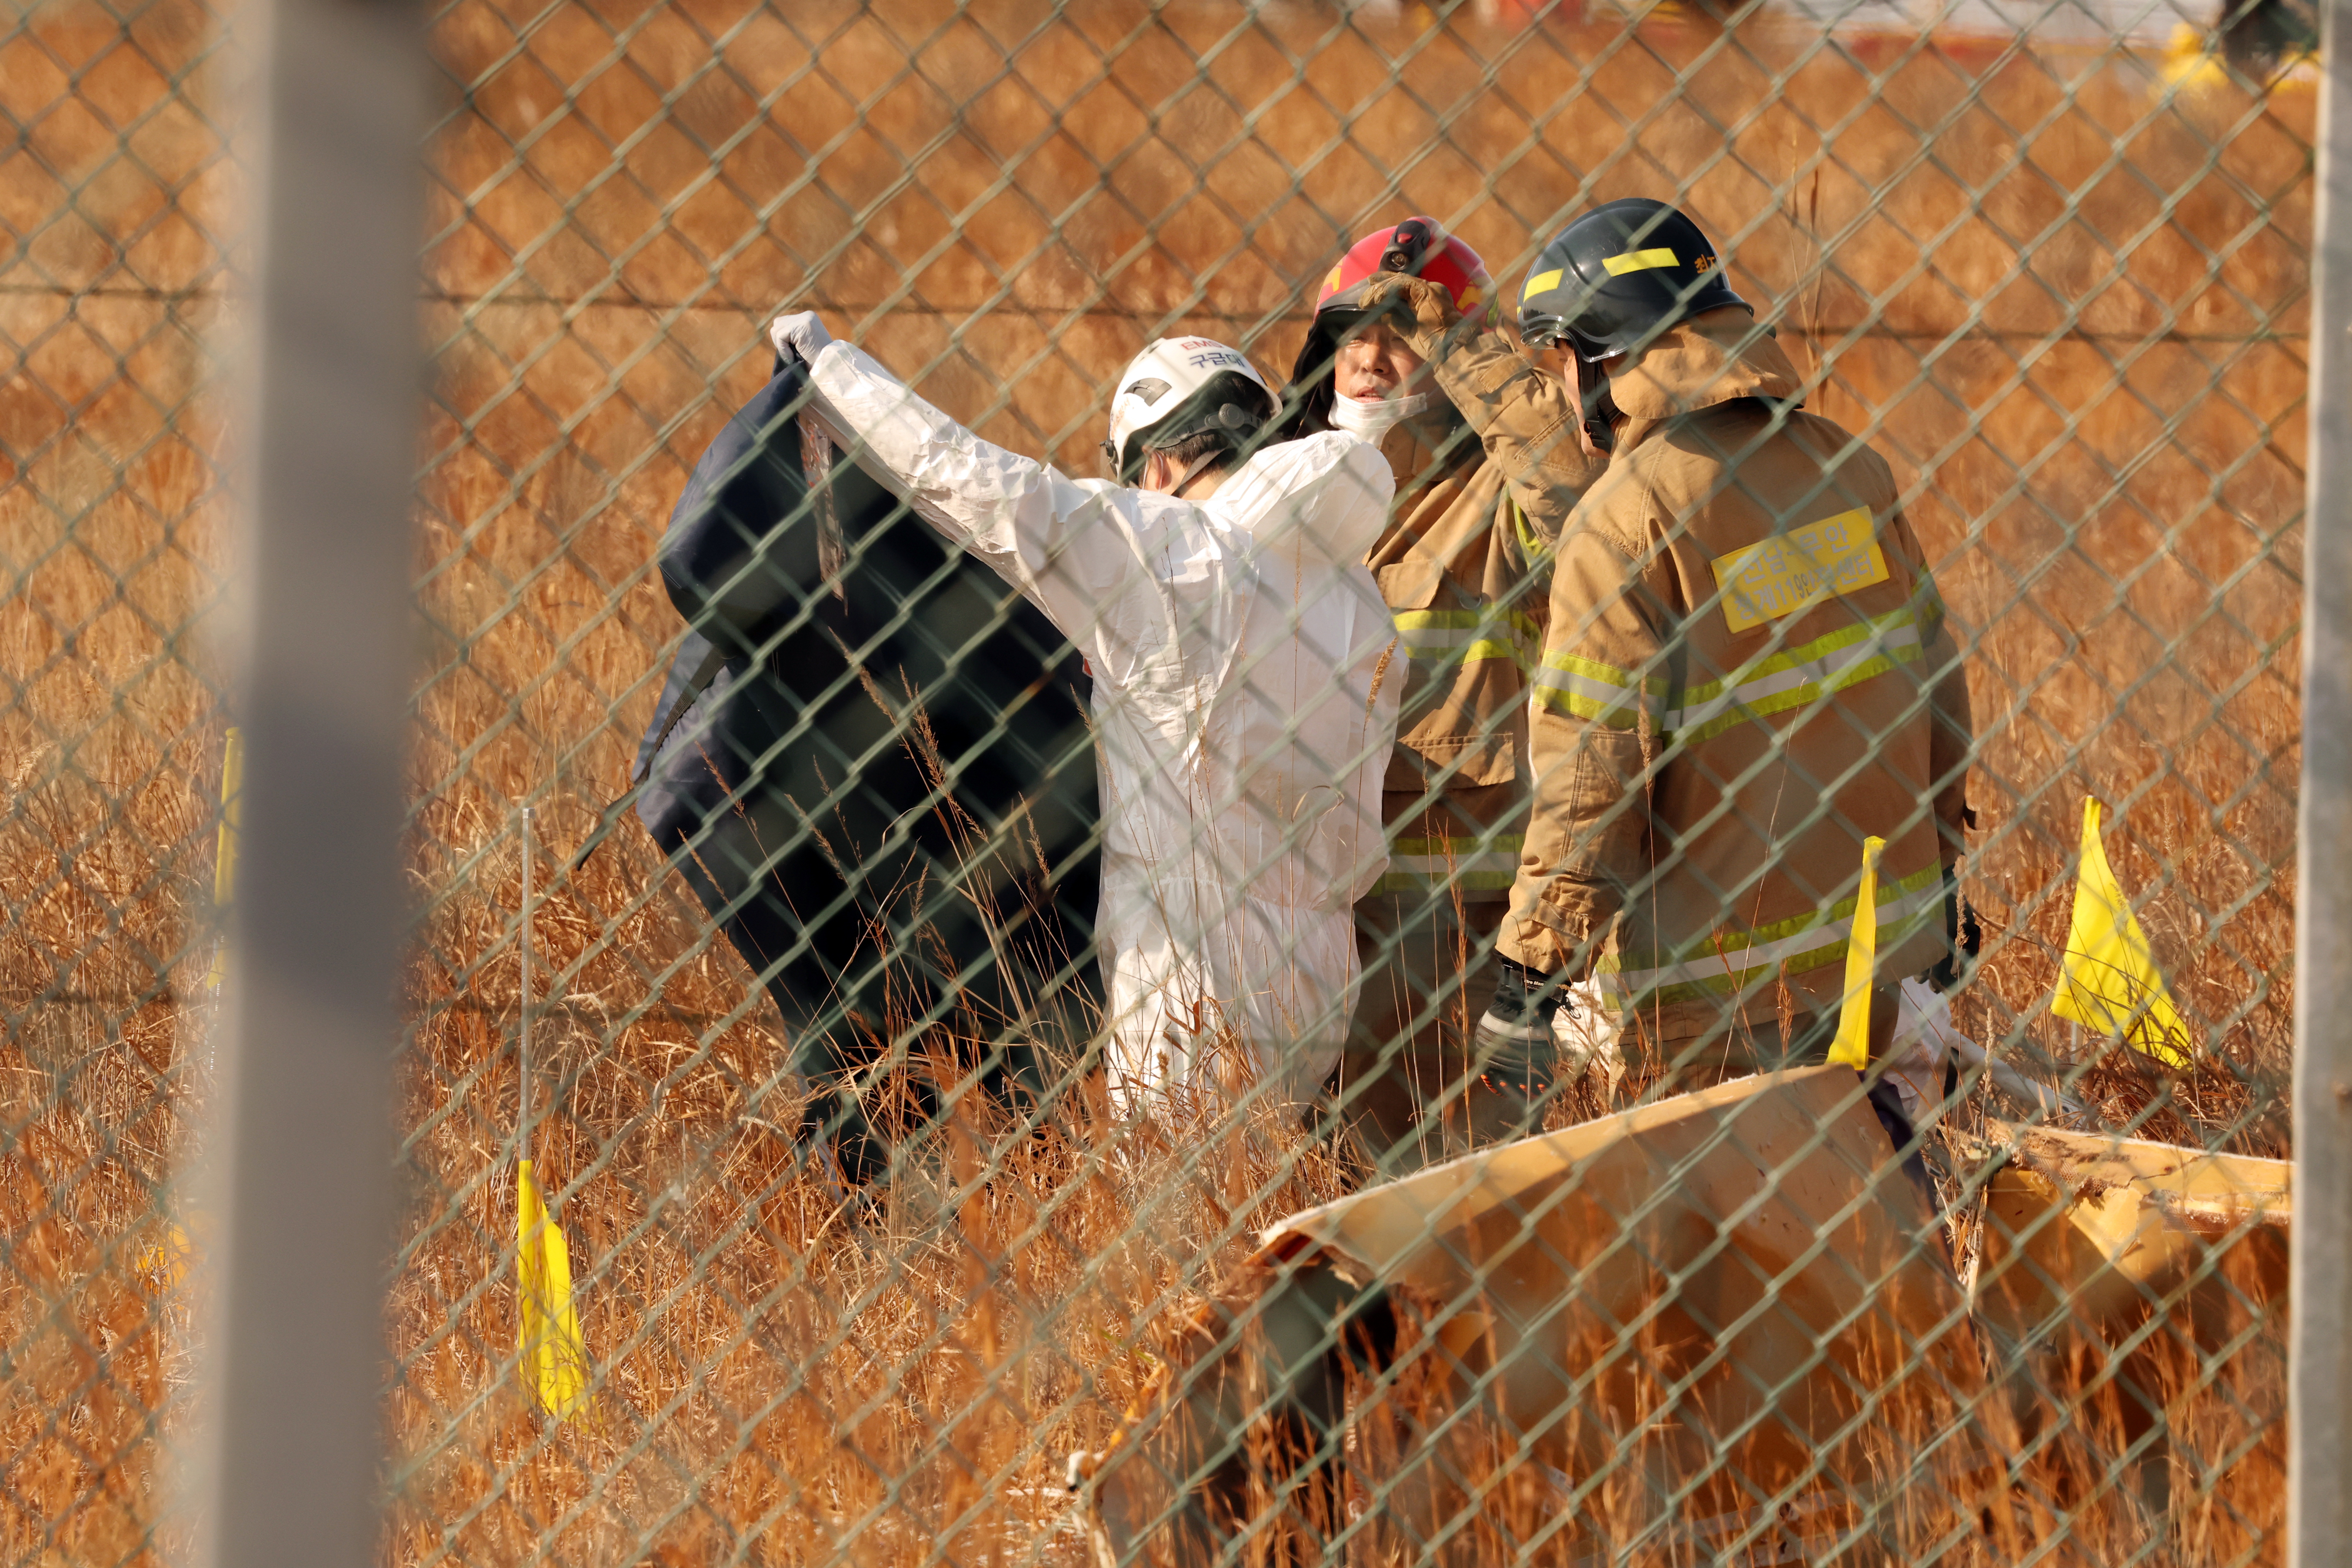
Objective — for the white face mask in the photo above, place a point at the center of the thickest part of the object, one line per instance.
(1373, 421)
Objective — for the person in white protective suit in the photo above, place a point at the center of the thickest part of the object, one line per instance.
(1245, 691)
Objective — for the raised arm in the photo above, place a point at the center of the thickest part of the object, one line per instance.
(1526, 419)
(1065, 544)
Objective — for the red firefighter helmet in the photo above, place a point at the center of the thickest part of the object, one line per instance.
(1418, 247)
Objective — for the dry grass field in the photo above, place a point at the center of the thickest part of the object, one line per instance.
(2066, 303)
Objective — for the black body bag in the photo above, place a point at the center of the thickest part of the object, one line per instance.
(872, 763)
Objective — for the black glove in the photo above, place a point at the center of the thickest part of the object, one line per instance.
(1514, 1046)
(1521, 1014)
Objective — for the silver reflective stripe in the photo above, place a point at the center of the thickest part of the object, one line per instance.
(1491, 634)
(1799, 677)
(1418, 864)
(1916, 897)
(1588, 688)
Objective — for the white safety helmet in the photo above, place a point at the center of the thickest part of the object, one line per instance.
(1179, 387)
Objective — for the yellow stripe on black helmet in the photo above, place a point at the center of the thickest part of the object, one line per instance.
(1620, 275)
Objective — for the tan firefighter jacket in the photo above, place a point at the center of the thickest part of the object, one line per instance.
(1746, 672)
(1463, 568)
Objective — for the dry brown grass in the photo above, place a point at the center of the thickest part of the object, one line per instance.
(2098, 405)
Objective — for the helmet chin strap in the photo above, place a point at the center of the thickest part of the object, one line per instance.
(1192, 470)
(1232, 418)
(1601, 411)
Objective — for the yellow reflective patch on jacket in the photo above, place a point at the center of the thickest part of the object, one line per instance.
(1640, 261)
(1796, 570)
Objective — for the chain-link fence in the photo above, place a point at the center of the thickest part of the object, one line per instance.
(980, 914)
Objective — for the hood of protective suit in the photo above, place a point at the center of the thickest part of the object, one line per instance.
(1244, 710)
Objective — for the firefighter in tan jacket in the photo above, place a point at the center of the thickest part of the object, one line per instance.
(1484, 450)
(1746, 672)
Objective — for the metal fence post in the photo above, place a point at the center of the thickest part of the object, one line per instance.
(303, 1150)
(2319, 1411)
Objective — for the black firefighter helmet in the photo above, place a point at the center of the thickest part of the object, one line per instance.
(1619, 275)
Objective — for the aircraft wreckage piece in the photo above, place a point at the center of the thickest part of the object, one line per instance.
(1723, 1326)
(2112, 1256)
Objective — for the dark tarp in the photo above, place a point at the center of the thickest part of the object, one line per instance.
(795, 791)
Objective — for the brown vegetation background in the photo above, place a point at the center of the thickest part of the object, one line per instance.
(2063, 298)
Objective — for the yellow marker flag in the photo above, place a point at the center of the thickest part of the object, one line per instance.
(2110, 982)
(1852, 1047)
(225, 850)
(166, 1261)
(554, 1360)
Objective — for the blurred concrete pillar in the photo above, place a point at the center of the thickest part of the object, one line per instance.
(2319, 1409)
(288, 1470)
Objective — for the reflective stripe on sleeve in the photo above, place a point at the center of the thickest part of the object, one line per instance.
(1725, 961)
(1531, 544)
(1473, 865)
(1587, 688)
(1462, 636)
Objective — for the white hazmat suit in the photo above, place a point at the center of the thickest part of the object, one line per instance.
(1244, 703)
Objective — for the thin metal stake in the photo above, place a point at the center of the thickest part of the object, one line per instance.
(522, 1110)
(523, 1171)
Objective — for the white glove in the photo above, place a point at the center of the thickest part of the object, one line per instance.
(800, 333)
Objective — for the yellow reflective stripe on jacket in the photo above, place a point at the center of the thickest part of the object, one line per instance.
(1797, 676)
(1724, 961)
(1473, 866)
(1464, 635)
(1587, 688)
(1531, 544)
